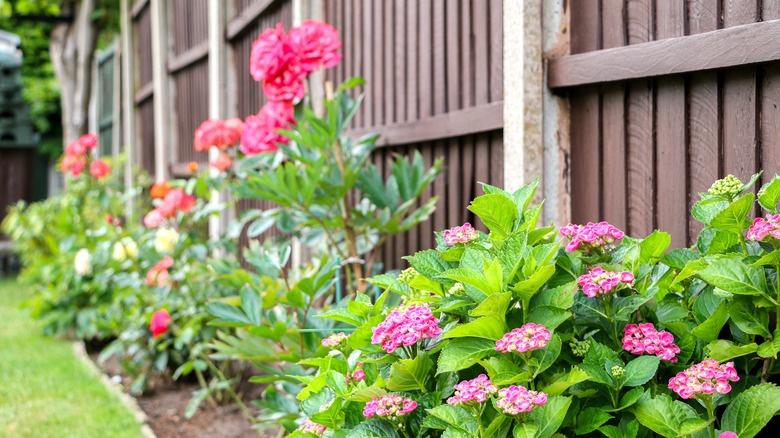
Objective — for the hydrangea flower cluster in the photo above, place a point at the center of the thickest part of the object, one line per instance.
(644, 338)
(334, 339)
(282, 62)
(75, 158)
(462, 234)
(158, 274)
(406, 327)
(472, 390)
(592, 237)
(579, 348)
(601, 282)
(764, 227)
(705, 377)
(729, 187)
(617, 371)
(516, 399)
(390, 407)
(407, 275)
(161, 319)
(309, 426)
(728, 435)
(526, 338)
(358, 375)
(173, 201)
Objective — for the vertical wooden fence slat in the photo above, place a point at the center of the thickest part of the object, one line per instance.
(467, 92)
(440, 69)
(425, 45)
(454, 72)
(671, 154)
(496, 51)
(481, 52)
(703, 121)
(400, 83)
(389, 84)
(412, 48)
(739, 102)
(585, 154)
(770, 114)
(613, 185)
(640, 130)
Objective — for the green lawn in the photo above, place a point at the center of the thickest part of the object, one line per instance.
(45, 391)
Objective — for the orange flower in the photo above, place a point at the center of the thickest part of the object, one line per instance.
(160, 189)
(192, 167)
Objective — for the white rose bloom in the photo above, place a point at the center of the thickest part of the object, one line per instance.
(125, 248)
(83, 262)
(165, 240)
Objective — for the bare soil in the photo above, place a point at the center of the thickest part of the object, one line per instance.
(165, 402)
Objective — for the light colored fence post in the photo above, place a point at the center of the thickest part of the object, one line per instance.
(128, 104)
(217, 107)
(162, 127)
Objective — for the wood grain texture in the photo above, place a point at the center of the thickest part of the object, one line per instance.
(439, 82)
(453, 73)
(412, 64)
(735, 46)
(496, 50)
(188, 57)
(770, 122)
(425, 98)
(244, 21)
(481, 64)
(739, 122)
(641, 169)
(464, 122)
(671, 150)
(614, 183)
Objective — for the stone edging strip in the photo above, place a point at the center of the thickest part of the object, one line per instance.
(127, 400)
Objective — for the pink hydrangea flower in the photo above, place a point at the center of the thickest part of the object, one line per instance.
(390, 407)
(358, 375)
(601, 282)
(472, 390)
(728, 435)
(764, 227)
(645, 339)
(99, 169)
(462, 234)
(592, 237)
(526, 338)
(334, 339)
(706, 377)
(406, 326)
(260, 134)
(309, 426)
(316, 44)
(514, 400)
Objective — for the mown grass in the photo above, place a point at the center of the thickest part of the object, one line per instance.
(45, 391)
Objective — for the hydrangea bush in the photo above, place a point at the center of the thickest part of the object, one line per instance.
(525, 331)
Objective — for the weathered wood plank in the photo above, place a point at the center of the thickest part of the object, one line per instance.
(613, 187)
(243, 21)
(464, 122)
(189, 57)
(671, 151)
(735, 46)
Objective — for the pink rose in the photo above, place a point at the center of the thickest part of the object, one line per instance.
(99, 169)
(159, 323)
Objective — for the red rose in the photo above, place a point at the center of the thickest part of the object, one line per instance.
(159, 323)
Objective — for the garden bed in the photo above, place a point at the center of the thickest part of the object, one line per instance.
(166, 402)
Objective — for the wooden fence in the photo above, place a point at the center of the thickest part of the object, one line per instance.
(667, 97)
(434, 83)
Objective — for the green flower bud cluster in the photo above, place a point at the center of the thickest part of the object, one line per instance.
(408, 275)
(618, 371)
(457, 289)
(729, 187)
(579, 348)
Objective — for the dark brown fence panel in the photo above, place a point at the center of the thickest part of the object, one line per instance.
(434, 83)
(106, 66)
(144, 91)
(188, 66)
(646, 141)
(16, 167)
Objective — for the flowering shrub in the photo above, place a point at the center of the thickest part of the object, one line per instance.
(616, 335)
